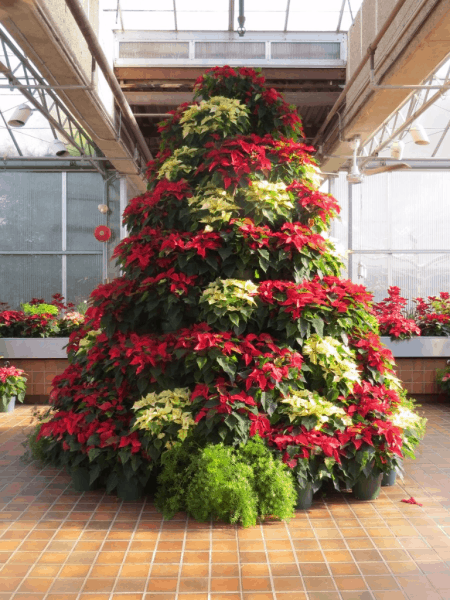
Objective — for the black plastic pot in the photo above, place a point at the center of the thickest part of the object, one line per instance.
(389, 478)
(367, 488)
(80, 480)
(304, 496)
(129, 490)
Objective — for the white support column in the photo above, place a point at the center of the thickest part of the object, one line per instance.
(64, 234)
(123, 201)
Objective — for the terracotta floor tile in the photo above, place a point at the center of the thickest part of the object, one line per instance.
(260, 584)
(131, 584)
(193, 584)
(81, 558)
(356, 595)
(291, 595)
(349, 568)
(306, 544)
(281, 556)
(225, 596)
(310, 556)
(167, 557)
(61, 586)
(350, 583)
(192, 597)
(105, 571)
(197, 546)
(285, 584)
(339, 555)
(13, 570)
(99, 584)
(139, 570)
(161, 585)
(230, 570)
(224, 546)
(333, 544)
(25, 558)
(107, 558)
(390, 595)
(366, 555)
(74, 571)
(380, 582)
(164, 571)
(35, 584)
(254, 545)
(225, 584)
(28, 596)
(258, 596)
(140, 557)
(9, 584)
(252, 557)
(319, 584)
(195, 570)
(127, 596)
(314, 569)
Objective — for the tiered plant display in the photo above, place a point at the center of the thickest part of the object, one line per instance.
(230, 321)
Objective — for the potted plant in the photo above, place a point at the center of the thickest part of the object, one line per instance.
(443, 380)
(12, 387)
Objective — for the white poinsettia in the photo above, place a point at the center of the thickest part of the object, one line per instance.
(214, 206)
(407, 419)
(268, 200)
(313, 175)
(304, 403)
(335, 358)
(233, 294)
(214, 114)
(178, 163)
(154, 411)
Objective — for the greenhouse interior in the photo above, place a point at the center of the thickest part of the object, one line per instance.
(224, 300)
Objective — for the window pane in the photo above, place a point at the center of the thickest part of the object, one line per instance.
(84, 273)
(84, 194)
(26, 277)
(30, 211)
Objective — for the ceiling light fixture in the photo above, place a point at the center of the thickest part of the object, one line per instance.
(419, 135)
(357, 176)
(397, 149)
(58, 148)
(20, 116)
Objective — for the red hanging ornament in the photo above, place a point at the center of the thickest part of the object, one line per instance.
(102, 233)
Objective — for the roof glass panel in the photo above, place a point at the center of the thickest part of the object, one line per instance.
(260, 15)
(206, 21)
(148, 20)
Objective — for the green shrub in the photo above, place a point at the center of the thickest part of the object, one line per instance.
(40, 309)
(231, 484)
(222, 487)
(37, 449)
(273, 481)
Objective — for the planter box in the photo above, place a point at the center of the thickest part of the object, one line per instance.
(33, 347)
(419, 347)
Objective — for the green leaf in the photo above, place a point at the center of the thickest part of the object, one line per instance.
(318, 324)
(229, 369)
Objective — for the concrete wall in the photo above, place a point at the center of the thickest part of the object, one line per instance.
(66, 24)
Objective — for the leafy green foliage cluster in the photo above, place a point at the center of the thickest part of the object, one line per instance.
(221, 482)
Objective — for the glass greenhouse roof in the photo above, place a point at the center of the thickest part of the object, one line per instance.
(221, 15)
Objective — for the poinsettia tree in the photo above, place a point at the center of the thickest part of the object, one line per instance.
(230, 319)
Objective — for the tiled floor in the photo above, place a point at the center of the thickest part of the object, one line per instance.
(57, 544)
